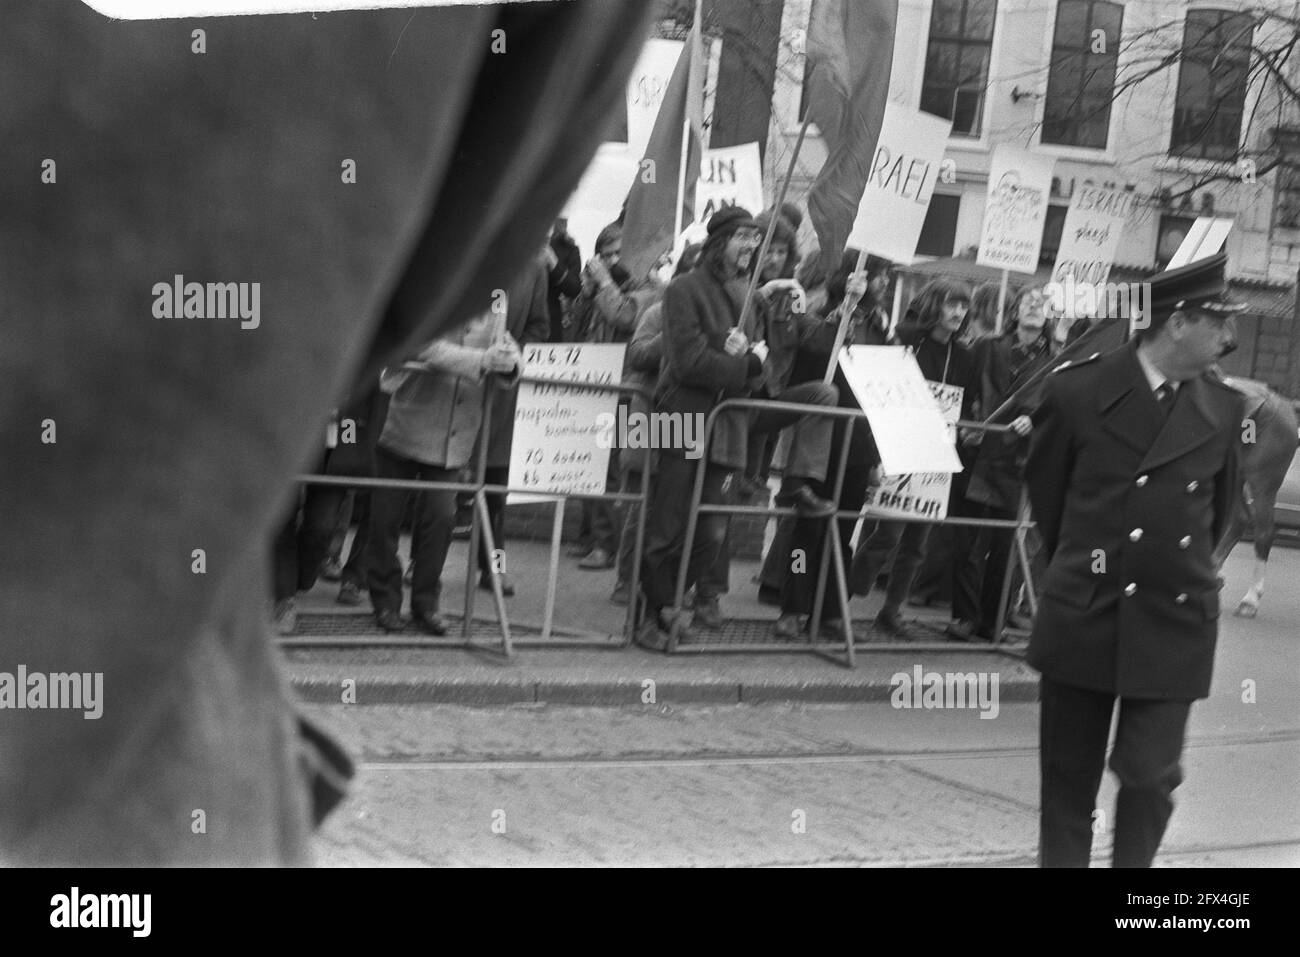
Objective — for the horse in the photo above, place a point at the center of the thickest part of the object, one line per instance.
(1270, 435)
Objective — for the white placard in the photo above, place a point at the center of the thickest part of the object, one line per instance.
(555, 446)
(599, 196)
(645, 92)
(1090, 237)
(1015, 210)
(921, 494)
(904, 171)
(1204, 239)
(729, 176)
(908, 428)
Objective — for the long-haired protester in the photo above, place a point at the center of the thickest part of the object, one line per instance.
(993, 482)
(932, 331)
(793, 563)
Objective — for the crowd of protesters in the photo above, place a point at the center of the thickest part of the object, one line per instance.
(722, 325)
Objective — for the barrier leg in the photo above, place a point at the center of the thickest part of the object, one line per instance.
(1006, 575)
(480, 503)
(679, 594)
(815, 622)
(841, 585)
(552, 580)
(634, 586)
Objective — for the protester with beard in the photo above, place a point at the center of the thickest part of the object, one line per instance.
(707, 359)
(932, 331)
(992, 483)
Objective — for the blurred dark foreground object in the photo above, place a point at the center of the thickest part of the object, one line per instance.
(371, 175)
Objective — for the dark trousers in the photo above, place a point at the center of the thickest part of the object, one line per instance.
(301, 547)
(496, 506)
(810, 446)
(1074, 725)
(907, 541)
(670, 507)
(981, 562)
(799, 559)
(435, 514)
(354, 569)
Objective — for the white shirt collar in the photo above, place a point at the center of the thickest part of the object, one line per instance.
(1155, 378)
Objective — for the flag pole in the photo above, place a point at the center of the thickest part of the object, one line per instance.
(681, 175)
(1002, 304)
(771, 225)
(848, 306)
(693, 40)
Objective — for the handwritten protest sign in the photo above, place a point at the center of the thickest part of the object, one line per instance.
(904, 171)
(554, 447)
(1016, 208)
(906, 423)
(1090, 237)
(922, 494)
(729, 176)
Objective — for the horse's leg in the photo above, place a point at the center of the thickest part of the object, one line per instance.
(1265, 530)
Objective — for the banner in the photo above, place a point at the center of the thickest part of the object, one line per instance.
(904, 171)
(645, 91)
(921, 494)
(906, 423)
(729, 176)
(554, 447)
(1090, 237)
(599, 196)
(1016, 208)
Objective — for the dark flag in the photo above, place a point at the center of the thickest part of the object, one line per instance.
(648, 225)
(850, 52)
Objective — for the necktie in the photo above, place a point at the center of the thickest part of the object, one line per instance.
(1165, 396)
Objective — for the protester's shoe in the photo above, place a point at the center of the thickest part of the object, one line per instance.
(430, 622)
(670, 616)
(349, 594)
(390, 620)
(806, 502)
(408, 576)
(767, 595)
(787, 626)
(331, 570)
(464, 524)
(597, 559)
(650, 636)
(891, 624)
(622, 594)
(286, 617)
(507, 583)
(708, 614)
(577, 550)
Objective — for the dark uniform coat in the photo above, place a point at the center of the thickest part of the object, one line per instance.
(1130, 505)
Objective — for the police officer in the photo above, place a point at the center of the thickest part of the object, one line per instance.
(1132, 476)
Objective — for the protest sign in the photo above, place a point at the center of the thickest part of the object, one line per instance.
(599, 196)
(921, 494)
(645, 92)
(1205, 238)
(904, 171)
(729, 176)
(908, 428)
(1016, 208)
(1090, 237)
(556, 425)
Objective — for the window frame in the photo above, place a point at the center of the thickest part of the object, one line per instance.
(1051, 48)
(1194, 150)
(980, 136)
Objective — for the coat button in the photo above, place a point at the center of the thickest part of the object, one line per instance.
(1185, 541)
(1131, 589)
(1142, 481)
(1181, 598)
(1134, 535)
(1192, 486)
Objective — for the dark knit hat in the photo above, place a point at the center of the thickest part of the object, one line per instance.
(731, 218)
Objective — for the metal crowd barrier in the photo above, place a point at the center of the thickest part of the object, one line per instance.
(481, 535)
(831, 547)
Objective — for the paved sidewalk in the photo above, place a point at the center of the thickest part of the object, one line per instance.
(339, 654)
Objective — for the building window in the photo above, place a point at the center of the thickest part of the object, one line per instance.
(1053, 227)
(1288, 197)
(1173, 230)
(957, 62)
(1212, 77)
(1081, 81)
(939, 232)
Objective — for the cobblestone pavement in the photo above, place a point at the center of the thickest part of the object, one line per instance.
(747, 785)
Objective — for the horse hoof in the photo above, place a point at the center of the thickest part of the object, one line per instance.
(1247, 610)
